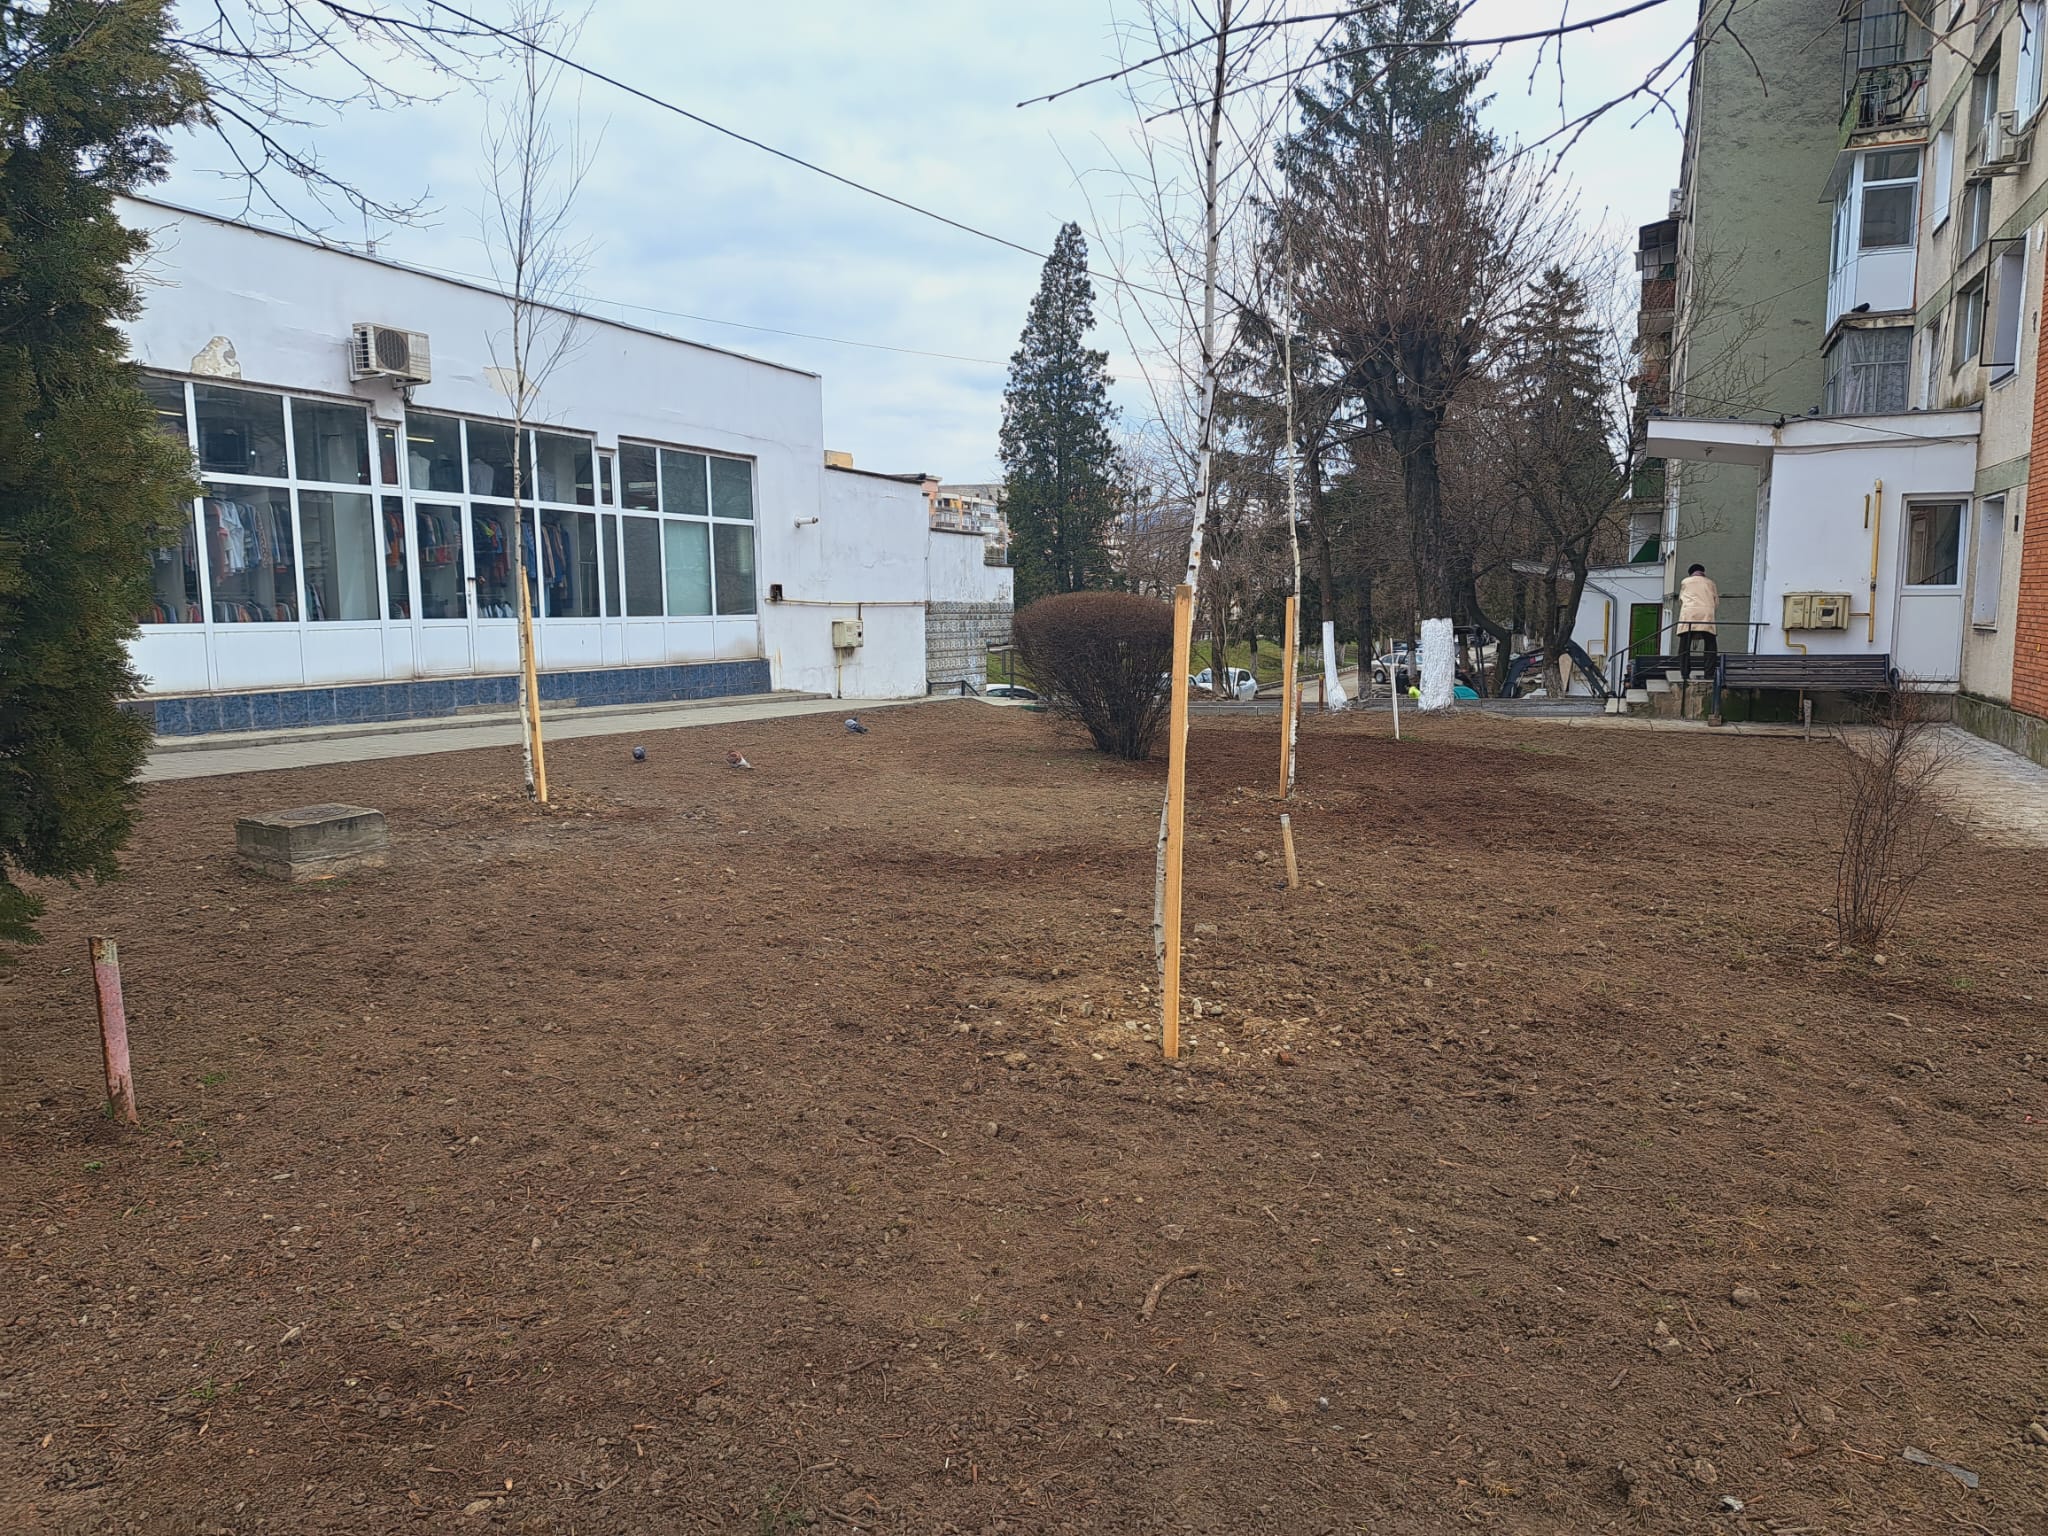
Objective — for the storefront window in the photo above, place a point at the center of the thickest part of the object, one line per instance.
(387, 455)
(688, 568)
(241, 431)
(732, 488)
(568, 557)
(490, 460)
(397, 585)
(332, 442)
(683, 490)
(734, 548)
(562, 469)
(174, 596)
(167, 398)
(490, 533)
(341, 556)
(433, 453)
(637, 483)
(251, 554)
(442, 590)
(643, 567)
(608, 537)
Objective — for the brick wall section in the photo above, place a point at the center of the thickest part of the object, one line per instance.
(2030, 635)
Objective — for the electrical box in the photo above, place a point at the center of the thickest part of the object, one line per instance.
(846, 634)
(1816, 610)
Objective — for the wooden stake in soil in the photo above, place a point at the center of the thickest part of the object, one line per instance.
(1287, 848)
(1287, 686)
(106, 983)
(535, 745)
(1176, 809)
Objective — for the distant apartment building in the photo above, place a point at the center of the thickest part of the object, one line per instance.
(974, 509)
(1855, 396)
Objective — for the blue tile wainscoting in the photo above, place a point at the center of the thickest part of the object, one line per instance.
(201, 714)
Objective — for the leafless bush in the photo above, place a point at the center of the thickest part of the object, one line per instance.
(1098, 658)
(1895, 822)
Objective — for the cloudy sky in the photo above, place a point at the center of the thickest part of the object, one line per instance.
(705, 238)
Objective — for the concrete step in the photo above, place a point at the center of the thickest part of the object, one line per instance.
(1639, 696)
(1658, 685)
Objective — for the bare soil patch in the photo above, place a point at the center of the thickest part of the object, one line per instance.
(755, 1151)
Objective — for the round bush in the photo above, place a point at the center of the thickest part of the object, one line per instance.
(1098, 657)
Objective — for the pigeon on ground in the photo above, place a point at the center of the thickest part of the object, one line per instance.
(855, 726)
(734, 760)
(639, 754)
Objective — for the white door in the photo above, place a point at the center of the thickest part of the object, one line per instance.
(1927, 639)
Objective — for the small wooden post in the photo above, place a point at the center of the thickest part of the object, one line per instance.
(1287, 848)
(106, 982)
(1287, 687)
(1176, 809)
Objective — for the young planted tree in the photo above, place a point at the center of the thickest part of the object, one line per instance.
(533, 173)
(1059, 459)
(87, 93)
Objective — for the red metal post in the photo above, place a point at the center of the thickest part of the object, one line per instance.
(106, 981)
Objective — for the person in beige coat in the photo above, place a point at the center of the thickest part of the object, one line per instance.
(1698, 600)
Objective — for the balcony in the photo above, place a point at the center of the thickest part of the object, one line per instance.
(1886, 97)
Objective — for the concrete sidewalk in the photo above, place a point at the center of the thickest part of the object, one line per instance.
(199, 757)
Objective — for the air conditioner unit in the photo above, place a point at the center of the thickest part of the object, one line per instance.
(2006, 146)
(383, 352)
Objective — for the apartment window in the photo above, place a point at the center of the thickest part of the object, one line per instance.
(1969, 323)
(2008, 278)
(1866, 371)
(1934, 536)
(2027, 74)
(1989, 574)
(1891, 197)
(1944, 174)
(1976, 227)
(1983, 108)
(1930, 363)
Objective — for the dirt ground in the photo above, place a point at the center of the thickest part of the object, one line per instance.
(761, 1151)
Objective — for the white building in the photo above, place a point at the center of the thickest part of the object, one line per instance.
(351, 558)
(1870, 514)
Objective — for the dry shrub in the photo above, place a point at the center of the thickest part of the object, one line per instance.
(1896, 815)
(1098, 657)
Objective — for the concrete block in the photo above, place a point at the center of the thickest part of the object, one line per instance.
(313, 842)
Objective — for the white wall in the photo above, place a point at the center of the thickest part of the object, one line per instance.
(286, 306)
(1602, 627)
(956, 571)
(863, 558)
(1815, 538)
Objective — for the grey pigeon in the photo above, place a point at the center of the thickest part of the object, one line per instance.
(855, 726)
(639, 754)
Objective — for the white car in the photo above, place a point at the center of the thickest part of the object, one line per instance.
(1240, 684)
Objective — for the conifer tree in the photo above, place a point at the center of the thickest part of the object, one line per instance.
(1059, 462)
(87, 91)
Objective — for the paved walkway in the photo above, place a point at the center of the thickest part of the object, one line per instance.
(199, 757)
(2004, 795)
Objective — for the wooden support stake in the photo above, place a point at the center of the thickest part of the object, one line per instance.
(540, 756)
(106, 983)
(1176, 810)
(1287, 687)
(1287, 848)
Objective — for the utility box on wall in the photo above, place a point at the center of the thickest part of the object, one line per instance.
(846, 634)
(1816, 610)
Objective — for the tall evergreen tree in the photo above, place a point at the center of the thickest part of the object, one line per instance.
(1394, 222)
(87, 90)
(1059, 463)
(1558, 440)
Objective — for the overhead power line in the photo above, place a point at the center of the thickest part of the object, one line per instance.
(812, 166)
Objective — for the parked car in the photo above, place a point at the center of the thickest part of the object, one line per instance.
(1239, 683)
(1009, 691)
